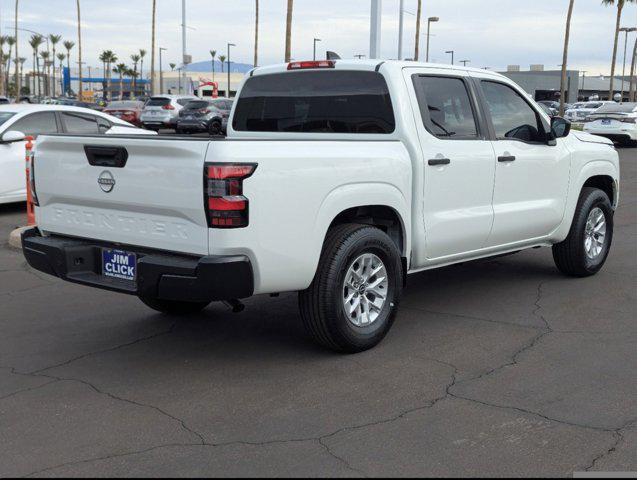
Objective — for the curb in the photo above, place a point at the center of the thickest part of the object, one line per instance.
(15, 237)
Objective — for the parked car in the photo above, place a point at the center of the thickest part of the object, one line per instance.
(339, 179)
(615, 121)
(205, 116)
(162, 111)
(4, 100)
(130, 111)
(581, 114)
(554, 107)
(35, 120)
(570, 113)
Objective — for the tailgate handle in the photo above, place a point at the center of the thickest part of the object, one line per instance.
(103, 156)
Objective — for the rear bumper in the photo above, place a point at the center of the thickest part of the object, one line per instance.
(159, 275)
(615, 136)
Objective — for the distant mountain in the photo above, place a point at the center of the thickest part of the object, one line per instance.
(207, 67)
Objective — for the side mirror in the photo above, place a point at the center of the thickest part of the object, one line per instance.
(560, 127)
(12, 136)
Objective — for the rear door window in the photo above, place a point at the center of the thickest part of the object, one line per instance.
(36, 124)
(316, 102)
(80, 123)
(158, 102)
(445, 107)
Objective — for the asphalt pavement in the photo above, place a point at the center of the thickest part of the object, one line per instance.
(493, 368)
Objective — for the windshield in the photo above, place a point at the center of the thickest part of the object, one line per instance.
(197, 105)
(593, 105)
(4, 116)
(158, 102)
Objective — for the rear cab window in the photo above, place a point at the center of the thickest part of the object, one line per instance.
(334, 101)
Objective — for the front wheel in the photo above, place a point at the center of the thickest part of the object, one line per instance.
(173, 307)
(352, 301)
(587, 246)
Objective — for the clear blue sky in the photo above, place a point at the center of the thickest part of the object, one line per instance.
(491, 33)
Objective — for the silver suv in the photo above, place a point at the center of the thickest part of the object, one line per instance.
(162, 111)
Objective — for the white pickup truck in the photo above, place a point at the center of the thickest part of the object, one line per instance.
(336, 180)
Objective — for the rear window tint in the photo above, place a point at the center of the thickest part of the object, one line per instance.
(196, 105)
(158, 102)
(316, 102)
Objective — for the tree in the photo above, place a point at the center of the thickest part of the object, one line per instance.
(79, 48)
(3, 40)
(418, 15)
(121, 69)
(620, 7)
(111, 59)
(135, 58)
(68, 45)
(256, 34)
(288, 31)
(45, 71)
(54, 39)
(152, 49)
(36, 41)
(222, 59)
(61, 57)
(565, 57)
(11, 43)
(213, 54)
(172, 66)
(142, 54)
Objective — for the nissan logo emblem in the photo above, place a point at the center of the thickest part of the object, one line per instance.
(106, 181)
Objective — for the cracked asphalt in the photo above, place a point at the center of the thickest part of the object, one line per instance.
(493, 368)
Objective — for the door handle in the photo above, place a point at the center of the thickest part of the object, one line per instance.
(439, 161)
(105, 156)
(506, 158)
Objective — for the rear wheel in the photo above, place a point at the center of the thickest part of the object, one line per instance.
(351, 304)
(586, 248)
(214, 128)
(173, 307)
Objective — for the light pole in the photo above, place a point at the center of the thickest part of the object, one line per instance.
(451, 52)
(161, 71)
(374, 28)
(315, 40)
(464, 62)
(401, 22)
(430, 20)
(627, 30)
(229, 45)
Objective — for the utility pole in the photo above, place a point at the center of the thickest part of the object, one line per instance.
(430, 20)
(452, 53)
(315, 40)
(374, 29)
(229, 45)
(401, 23)
(464, 62)
(627, 31)
(161, 71)
(183, 44)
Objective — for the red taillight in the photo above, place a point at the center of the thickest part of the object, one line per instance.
(226, 205)
(168, 107)
(311, 64)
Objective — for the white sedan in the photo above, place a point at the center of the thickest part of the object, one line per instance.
(617, 121)
(18, 120)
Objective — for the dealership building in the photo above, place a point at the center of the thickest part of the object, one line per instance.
(544, 84)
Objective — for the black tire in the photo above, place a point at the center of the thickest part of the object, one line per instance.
(322, 306)
(570, 255)
(173, 307)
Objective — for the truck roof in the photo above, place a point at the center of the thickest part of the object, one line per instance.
(367, 64)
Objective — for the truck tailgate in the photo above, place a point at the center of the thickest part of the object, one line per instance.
(155, 200)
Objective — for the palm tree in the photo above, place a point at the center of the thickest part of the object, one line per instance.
(152, 50)
(142, 54)
(112, 58)
(21, 61)
(222, 59)
(213, 54)
(121, 69)
(45, 60)
(18, 80)
(172, 66)
(565, 56)
(256, 33)
(11, 43)
(54, 39)
(620, 7)
(135, 58)
(288, 32)
(104, 59)
(35, 41)
(68, 45)
(418, 15)
(3, 40)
